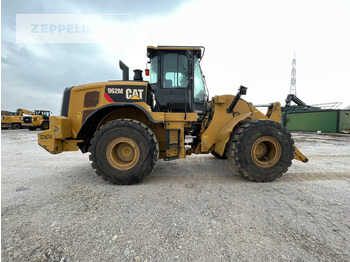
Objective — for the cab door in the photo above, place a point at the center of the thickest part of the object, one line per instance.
(173, 89)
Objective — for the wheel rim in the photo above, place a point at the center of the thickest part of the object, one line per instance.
(123, 153)
(266, 151)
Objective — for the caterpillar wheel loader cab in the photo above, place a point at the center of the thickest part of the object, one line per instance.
(128, 125)
(39, 119)
(176, 79)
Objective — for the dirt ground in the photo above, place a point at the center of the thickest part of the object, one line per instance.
(54, 208)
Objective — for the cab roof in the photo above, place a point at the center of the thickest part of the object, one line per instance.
(198, 50)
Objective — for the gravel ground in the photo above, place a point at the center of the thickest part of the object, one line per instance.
(54, 208)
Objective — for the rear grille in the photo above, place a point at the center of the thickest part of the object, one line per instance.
(27, 119)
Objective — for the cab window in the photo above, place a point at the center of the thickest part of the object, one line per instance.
(153, 76)
(175, 71)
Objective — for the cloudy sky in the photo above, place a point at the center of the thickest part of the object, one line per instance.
(247, 43)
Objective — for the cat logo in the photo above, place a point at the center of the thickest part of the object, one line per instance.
(134, 94)
(128, 94)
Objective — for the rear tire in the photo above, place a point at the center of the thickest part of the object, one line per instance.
(261, 150)
(16, 126)
(124, 151)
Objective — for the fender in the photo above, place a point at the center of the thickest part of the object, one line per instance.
(90, 124)
(224, 133)
(273, 114)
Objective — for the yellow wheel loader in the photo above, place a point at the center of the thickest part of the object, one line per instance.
(39, 118)
(128, 125)
(11, 119)
(14, 120)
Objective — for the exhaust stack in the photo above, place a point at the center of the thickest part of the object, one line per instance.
(125, 70)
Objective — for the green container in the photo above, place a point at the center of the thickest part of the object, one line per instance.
(344, 120)
(330, 121)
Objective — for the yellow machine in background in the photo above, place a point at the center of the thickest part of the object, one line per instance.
(39, 119)
(128, 125)
(32, 120)
(14, 120)
(11, 119)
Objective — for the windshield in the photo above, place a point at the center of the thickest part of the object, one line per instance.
(199, 88)
(43, 113)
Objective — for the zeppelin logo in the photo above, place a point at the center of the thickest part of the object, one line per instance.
(45, 136)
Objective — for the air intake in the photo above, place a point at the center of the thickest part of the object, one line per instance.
(138, 75)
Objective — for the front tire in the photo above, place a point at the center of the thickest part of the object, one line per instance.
(124, 151)
(44, 125)
(261, 150)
